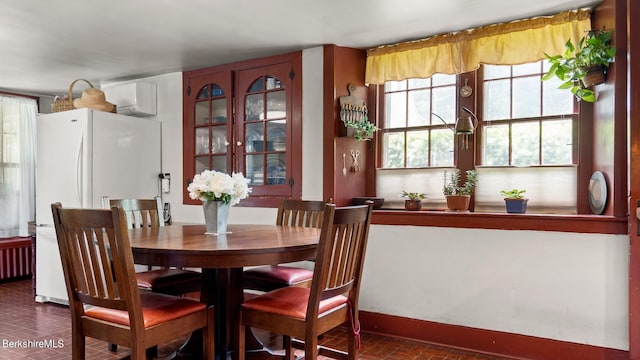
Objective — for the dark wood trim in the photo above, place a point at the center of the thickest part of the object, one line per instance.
(485, 341)
(36, 98)
(503, 221)
(343, 66)
(633, 51)
(14, 242)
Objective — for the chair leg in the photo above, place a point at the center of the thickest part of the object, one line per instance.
(77, 344)
(240, 351)
(288, 348)
(208, 336)
(352, 347)
(138, 352)
(311, 348)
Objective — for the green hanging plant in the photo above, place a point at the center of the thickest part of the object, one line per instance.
(582, 63)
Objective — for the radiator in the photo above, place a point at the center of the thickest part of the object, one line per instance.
(16, 259)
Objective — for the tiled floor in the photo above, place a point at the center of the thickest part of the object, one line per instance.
(30, 330)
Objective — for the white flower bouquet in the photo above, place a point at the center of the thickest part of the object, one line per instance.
(218, 186)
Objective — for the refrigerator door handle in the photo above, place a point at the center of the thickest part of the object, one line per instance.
(79, 171)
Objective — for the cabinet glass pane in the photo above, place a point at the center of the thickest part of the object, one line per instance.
(277, 135)
(202, 140)
(219, 163)
(202, 113)
(257, 85)
(255, 169)
(254, 107)
(216, 90)
(219, 139)
(204, 93)
(276, 105)
(273, 83)
(202, 164)
(276, 169)
(254, 137)
(219, 110)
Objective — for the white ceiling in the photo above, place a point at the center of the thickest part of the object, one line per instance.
(45, 44)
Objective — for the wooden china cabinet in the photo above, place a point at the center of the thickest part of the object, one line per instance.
(246, 117)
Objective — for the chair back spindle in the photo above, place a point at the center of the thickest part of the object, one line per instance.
(300, 213)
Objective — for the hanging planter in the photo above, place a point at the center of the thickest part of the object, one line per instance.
(594, 75)
(584, 65)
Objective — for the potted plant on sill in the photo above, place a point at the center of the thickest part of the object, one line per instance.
(584, 65)
(413, 201)
(458, 196)
(514, 201)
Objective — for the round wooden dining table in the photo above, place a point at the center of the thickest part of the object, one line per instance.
(222, 258)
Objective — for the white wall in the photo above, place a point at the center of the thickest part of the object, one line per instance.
(564, 286)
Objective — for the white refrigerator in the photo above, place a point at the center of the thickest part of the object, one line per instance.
(82, 155)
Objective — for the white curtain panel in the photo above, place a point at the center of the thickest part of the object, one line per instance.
(17, 165)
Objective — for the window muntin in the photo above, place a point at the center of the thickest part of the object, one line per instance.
(412, 137)
(525, 121)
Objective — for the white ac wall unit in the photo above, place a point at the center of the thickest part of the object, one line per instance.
(135, 99)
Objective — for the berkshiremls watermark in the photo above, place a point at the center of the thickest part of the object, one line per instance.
(33, 344)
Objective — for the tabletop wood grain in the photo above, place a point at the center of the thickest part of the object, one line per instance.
(245, 245)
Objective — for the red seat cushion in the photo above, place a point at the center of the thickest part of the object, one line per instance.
(279, 274)
(291, 301)
(156, 308)
(165, 277)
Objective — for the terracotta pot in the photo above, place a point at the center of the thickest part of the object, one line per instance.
(458, 202)
(410, 204)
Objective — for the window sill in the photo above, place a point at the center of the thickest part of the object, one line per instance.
(480, 220)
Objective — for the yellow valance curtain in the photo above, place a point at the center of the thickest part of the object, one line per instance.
(510, 43)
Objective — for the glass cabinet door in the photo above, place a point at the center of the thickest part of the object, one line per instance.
(208, 129)
(246, 118)
(264, 106)
(211, 141)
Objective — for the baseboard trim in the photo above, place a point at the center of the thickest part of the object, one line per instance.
(486, 341)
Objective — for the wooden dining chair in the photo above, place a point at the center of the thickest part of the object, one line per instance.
(303, 213)
(147, 213)
(104, 300)
(300, 313)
